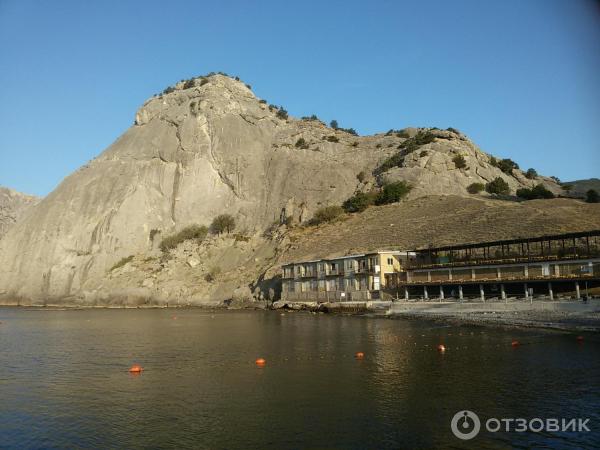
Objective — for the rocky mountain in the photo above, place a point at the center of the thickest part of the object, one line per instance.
(13, 206)
(205, 147)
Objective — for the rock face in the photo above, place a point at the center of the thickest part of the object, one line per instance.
(13, 206)
(205, 148)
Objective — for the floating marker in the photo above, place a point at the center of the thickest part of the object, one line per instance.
(136, 369)
(260, 362)
(359, 355)
(515, 343)
(441, 348)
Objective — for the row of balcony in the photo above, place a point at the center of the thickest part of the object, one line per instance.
(338, 272)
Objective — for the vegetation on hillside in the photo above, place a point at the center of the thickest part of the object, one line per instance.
(498, 186)
(406, 147)
(592, 196)
(475, 188)
(360, 201)
(533, 193)
(196, 232)
(531, 173)
(223, 223)
(459, 162)
(122, 262)
(326, 214)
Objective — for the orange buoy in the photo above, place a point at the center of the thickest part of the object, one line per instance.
(359, 355)
(136, 369)
(515, 343)
(260, 362)
(579, 338)
(441, 348)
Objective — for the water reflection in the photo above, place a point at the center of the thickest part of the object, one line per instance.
(64, 380)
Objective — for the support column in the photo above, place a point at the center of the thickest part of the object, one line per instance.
(578, 294)
(405, 293)
(425, 293)
(460, 292)
(550, 291)
(441, 292)
(482, 293)
(503, 293)
(526, 291)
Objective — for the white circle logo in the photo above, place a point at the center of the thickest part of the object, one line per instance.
(465, 425)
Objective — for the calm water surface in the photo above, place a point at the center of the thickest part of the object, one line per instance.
(64, 381)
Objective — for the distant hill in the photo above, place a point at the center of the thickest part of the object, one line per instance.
(580, 187)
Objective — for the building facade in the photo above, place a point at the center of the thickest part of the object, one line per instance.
(349, 278)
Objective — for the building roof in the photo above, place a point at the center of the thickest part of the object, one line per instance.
(512, 241)
(359, 255)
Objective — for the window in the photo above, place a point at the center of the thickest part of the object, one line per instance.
(390, 261)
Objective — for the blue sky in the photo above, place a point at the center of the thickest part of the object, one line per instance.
(520, 77)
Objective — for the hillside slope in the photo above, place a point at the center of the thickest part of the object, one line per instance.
(205, 147)
(13, 206)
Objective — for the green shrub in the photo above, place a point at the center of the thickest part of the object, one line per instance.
(423, 153)
(248, 86)
(475, 188)
(332, 139)
(531, 174)
(506, 165)
(378, 146)
(393, 192)
(556, 179)
(222, 223)
(351, 131)
(413, 143)
(122, 262)
(189, 84)
(153, 233)
(592, 196)
(282, 113)
(536, 192)
(498, 186)
(301, 143)
(355, 144)
(453, 130)
(262, 101)
(326, 214)
(393, 161)
(361, 176)
(334, 124)
(192, 232)
(360, 201)
(459, 161)
(402, 134)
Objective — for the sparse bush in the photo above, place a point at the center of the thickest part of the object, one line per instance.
(301, 143)
(378, 146)
(453, 130)
(475, 188)
(262, 101)
(326, 214)
(168, 90)
(248, 86)
(355, 144)
(403, 134)
(223, 223)
(122, 262)
(203, 81)
(592, 196)
(556, 179)
(393, 161)
(393, 192)
(360, 201)
(531, 174)
(506, 165)
(189, 84)
(498, 186)
(413, 143)
(361, 176)
(536, 192)
(459, 161)
(282, 113)
(351, 131)
(332, 139)
(192, 232)
(334, 124)
(239, 237)
(423, 153)
(153, 233)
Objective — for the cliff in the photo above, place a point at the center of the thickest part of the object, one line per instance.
(13, 206)
(205, 147)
